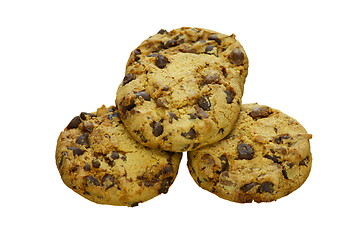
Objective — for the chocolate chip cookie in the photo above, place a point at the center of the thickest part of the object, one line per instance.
(98, 159)
(265, 157)
(182, 89)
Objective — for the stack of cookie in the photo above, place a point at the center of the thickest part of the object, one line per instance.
(182, 92)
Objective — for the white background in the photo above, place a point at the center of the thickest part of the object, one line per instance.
(59, 58)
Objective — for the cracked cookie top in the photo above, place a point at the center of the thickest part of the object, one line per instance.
(266, 156)
(98, 159)
(182, 89)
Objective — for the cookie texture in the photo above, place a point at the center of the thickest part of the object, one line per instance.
(182, 89)
(98, 159)
(265, 157)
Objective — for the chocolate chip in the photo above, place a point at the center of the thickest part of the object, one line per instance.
(236, 57)
(215, 38)
(201, 114)
(279, 140)
(224, 72)
(141, 136)
(95, 163)
(245, 151)
(209, 48)
(83, 139)
(191, 134)
(165, 184)
(144, 95)
(77, 151)
(275, 159)
(248, 186)
(284, 173)
(162, 31)
(152, 55)
(74, 123)
(137, 51)
(161, 102)
(168, 168)
(87, 167)
(113, 115)
(204, 103)
(172, 116)
(93, 180)
(193, 116)
(114, 155)
(170, 43)
(210, 79)
(157, 128)
(260, 112)
(88, 126)
(128, 78)
(107, 181)
(224, 163)
(304, 162)
(229, 96)
(266, 187)
(85, 115)
(128, 107)
(208, 158)
(161, 61)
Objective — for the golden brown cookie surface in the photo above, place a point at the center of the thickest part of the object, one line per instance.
(265, 157)
(98, 159)
(183, 88)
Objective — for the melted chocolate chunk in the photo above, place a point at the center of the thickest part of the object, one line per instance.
(157, 128)
(215, 38)
(284, 173)
(172, 116)
(224, 163)
(191, 134)
(229, 96)
(249, 186)
(260, 112)
(144, 95)
(165, 184)
(208, 159)
(83, 139)
(245, 151)
(236, 57)
(128, 78)
(76, 151)
(275, 159)
(267, 187)
(204, 103)
(93, 180)
(161, 61)
(74, 123)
